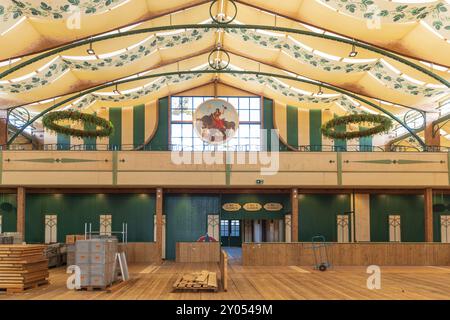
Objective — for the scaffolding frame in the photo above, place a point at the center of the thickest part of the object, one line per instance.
(88, 232)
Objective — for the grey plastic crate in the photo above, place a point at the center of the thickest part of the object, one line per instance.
(83, 246)
(96, 258)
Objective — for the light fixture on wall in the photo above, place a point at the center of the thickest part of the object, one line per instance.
(116, 90)
(353, 53)
(90, 50)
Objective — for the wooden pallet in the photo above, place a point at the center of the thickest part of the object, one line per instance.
(21, 288)
(197, 281)
(99, 288)
(93, 288)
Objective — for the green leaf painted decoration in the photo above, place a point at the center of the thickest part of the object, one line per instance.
(56, 9)
(286, 91)
(148, 89)
(436, 14)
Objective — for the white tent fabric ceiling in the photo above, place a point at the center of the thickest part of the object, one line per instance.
(28, 28)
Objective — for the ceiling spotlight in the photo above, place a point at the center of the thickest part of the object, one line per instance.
(320, 92)
(116, 91)
(90, 51)
(353, 53)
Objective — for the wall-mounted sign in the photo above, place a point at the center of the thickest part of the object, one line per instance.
(252, 206)
(216, 121)
(231, 207)
(273, 206)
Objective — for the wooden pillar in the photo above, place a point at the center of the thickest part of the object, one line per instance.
(3, 128)
(294, 221)
(21, 211)
(159, 221)
(428, 204)
(432, 135)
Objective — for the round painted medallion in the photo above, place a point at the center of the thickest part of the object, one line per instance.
(216, 121)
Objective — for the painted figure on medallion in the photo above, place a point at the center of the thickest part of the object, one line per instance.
(216, 121)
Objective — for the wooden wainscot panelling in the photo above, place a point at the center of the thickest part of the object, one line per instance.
(198, 252)
(141, 252)
(160, 168)
(394, 161)
(348, 254)
(278, 169)
(286, 169)
(395, 179)
(394, 168)
(56, 168)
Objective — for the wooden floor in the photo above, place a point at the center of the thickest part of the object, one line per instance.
(292, 282)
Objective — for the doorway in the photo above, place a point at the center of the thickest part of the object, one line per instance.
(231, 233)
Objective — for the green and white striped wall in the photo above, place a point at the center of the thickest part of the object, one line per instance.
(300, 127)
(133, 126)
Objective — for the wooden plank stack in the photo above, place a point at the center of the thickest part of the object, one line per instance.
(22, 267)
(195, 281)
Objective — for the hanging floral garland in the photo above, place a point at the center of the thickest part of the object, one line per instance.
(382, 124)
(50, 120)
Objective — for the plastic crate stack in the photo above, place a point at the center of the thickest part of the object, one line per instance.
(6, 239)
(96, 258)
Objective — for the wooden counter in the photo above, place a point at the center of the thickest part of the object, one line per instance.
(348, 254)
(140, 252)
(198, 252)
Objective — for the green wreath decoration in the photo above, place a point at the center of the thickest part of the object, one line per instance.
(50, 120)
(383, 124)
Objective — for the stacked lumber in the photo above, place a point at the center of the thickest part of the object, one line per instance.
(203, 280)
(22, 267)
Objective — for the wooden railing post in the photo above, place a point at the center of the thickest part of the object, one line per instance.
(428, 204)
(159, 222)
(294, 222)
(21, 211)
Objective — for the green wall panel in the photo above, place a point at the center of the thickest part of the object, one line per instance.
(139, 125)
(115, 116)
(268, 124)
(63, 141)
(315, 134)
(340, 144)
(160, 140)
(365, 143)
(411, 211)
(439, 199)
(318, 214)
(292, 126)
(90, 143)
(73, 210)
(262, 199)
(186, 218)
(9, 218)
